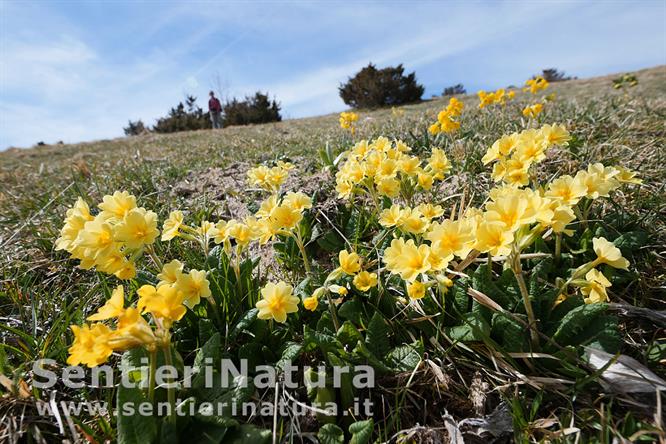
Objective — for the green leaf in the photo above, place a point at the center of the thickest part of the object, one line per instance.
(248, 434)
(289, 354)
(348, 334)
(351, 310)
(481, 281)
(331, 242)
(377, 336)
(325, 342)
(361, 351)
(211, 349)
(509, 333)
(331, 434)
(475, 329)
(361, 431)
(574, 322)
(406, 357)
(244, 322)
(631, 241)
(133, 428)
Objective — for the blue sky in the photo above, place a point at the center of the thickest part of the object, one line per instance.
(76, 71)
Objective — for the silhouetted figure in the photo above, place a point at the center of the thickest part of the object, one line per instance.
(215, 111)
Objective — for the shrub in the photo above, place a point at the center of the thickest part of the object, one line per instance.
(372, 87)
(184, 117)
(254, 109)
(553, 75)
(134, 128)
(454, 90)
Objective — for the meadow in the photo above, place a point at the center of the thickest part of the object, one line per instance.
(507, 340)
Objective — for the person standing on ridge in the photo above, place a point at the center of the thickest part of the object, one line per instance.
(215, 111)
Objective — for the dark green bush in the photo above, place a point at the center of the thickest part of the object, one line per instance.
(372, 87)
(454, 90)
(184, 117)
(135, 128)
(253, 109)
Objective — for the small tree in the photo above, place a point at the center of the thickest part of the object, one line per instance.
(184, 117)
(553, 75)
(134, 128)
(372, 87)
(253, 109)
(454, 90)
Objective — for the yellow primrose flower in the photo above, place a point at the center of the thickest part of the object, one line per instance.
(430, 211)
(347, 120)
(75, 220)
(567, 190)
(435, 128)
(536, 84)
(511, 210)
(133, 331)
(338, 289)
(364, 281)
(608, 253)
(171, 226)
(285, 217)
(287, 166)
(170, 273)
(450, 238)
(406, 259)
(344, 189)
(413, 222)
(388, 187)
(595, 288)
(116, 206)
(138, 228)
(532, 111)
(502, 147)
(494, 238)
(555, 134)
(222, 231)
(455, 107)
(113, 308)
(627, 176)
(258, 176)
(267, 206)
(391, 217)
(126, 271)
(164, 303)
(599, 180)
(91, 345)
(298, 201)
(311, 303)
(97, 235)
(425, 180)
(439, 163)
(562, 216)
(193, 286)
(241, 232)
(350, 263)
(277, 301)
(416, 290)
(112, 261)
(409, 165)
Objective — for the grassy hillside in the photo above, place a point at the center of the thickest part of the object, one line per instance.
(203, 173)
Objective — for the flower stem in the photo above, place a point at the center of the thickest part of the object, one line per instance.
(334, 315)
(171, 391)
(151, 251)
(558, 247)
(301, 247)
(531, 319)
(151, 375)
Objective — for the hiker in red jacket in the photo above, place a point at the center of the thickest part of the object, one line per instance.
(215, 111)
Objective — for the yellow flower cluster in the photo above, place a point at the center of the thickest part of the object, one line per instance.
(277, 301)
(498, 97)
(382, 168)
(270, 179)
(112, 240)
(536, 84)
(446, 122)
(517, 152)
(532, 111)
(347, 120)
(94, 343)
(351, 264)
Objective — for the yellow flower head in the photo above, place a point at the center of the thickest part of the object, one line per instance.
(298, 201)
(364, 281)
(350, 263)
(531, 111)
(170, 273)
(164, 303)
(113, 308)
(347, 120)
(567, 190)
(416, 290)
(388, 187)
(430, 211)
(75, 220)
(406, 259)
(91, 345)
(171, 227)
(494, 238)
(595, 288)
(277, 301)
(425, 180)
(133, 331)
(555, 134)
(391, 217)
(413, 222)
(193, 286)
(627, 176)
(138, 228)
(285, 217)
(311, 303)
(536, 84)
(450, 238)
(608, 253)
(116, 206)
(439, 163)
